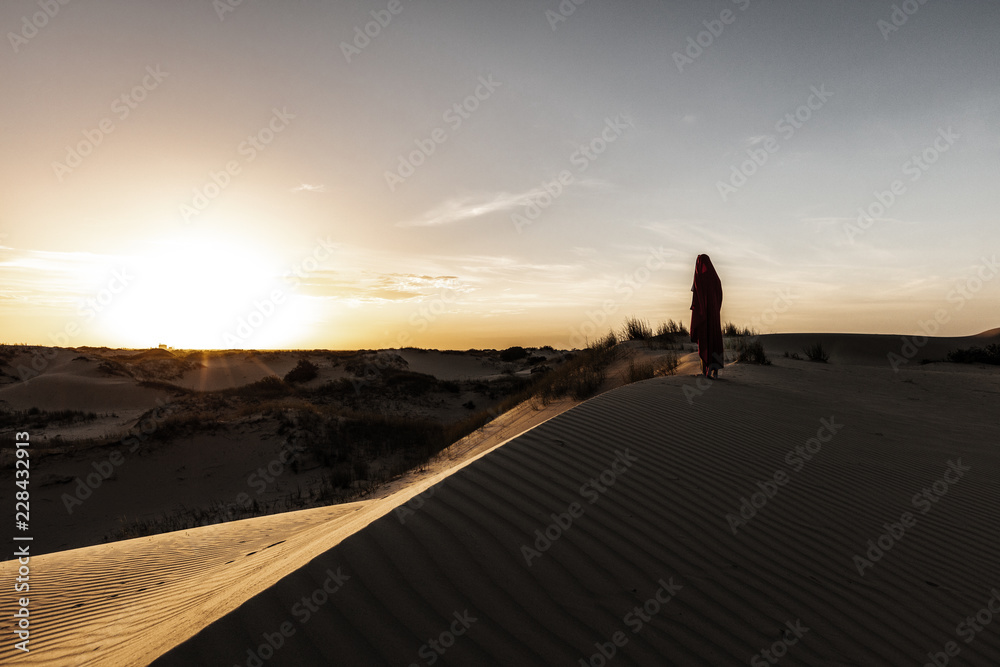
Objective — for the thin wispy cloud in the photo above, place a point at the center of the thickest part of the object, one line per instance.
(309, 187)
(459, 209)
(369, 287)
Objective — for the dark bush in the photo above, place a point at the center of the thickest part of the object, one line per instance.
(815, 352)
(977, 355)
(730, 329)
(269, 387)
(304, 371)
(751, 352)
(513, 353)
(636, 329)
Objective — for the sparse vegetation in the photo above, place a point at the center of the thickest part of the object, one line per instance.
(730, 329)
(815, 352)
(977, 355)
(513, 354)
(751, 352)
(36, 418)
(644, 370)
(636, 329)
(357, 432)
(265, 388)
(304, 371)
(670, 328)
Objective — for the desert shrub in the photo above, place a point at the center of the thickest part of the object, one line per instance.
(178, 425)
(667, 364)
(670, 328)
(977, 355)
(636, 329)
(792, 355)
(583, 374)
(304, 371)
(644, 370)
(730, 329)
(608, 342)
(409, 382)
(267, 387)
(751, 352)
(513, 353)
(35, 417)
(815, 352)
(637, 371)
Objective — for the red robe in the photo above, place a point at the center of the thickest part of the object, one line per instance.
(706, 303)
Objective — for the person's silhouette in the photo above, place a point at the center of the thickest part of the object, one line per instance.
(706, 326)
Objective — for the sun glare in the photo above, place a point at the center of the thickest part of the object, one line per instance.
(200, 291)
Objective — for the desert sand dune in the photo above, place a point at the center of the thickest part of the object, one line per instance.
(135, 598)
(677, 458)
(679, 455)
(874, 349)
(167, 587)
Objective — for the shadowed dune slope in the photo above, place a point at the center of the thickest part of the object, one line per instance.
(676, 458)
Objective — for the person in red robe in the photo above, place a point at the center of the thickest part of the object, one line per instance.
(706, 325)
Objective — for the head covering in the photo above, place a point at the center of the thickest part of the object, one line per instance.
(706, 304)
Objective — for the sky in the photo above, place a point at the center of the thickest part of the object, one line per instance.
(444, 174)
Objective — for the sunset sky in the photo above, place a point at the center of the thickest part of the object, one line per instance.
(483, 173)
